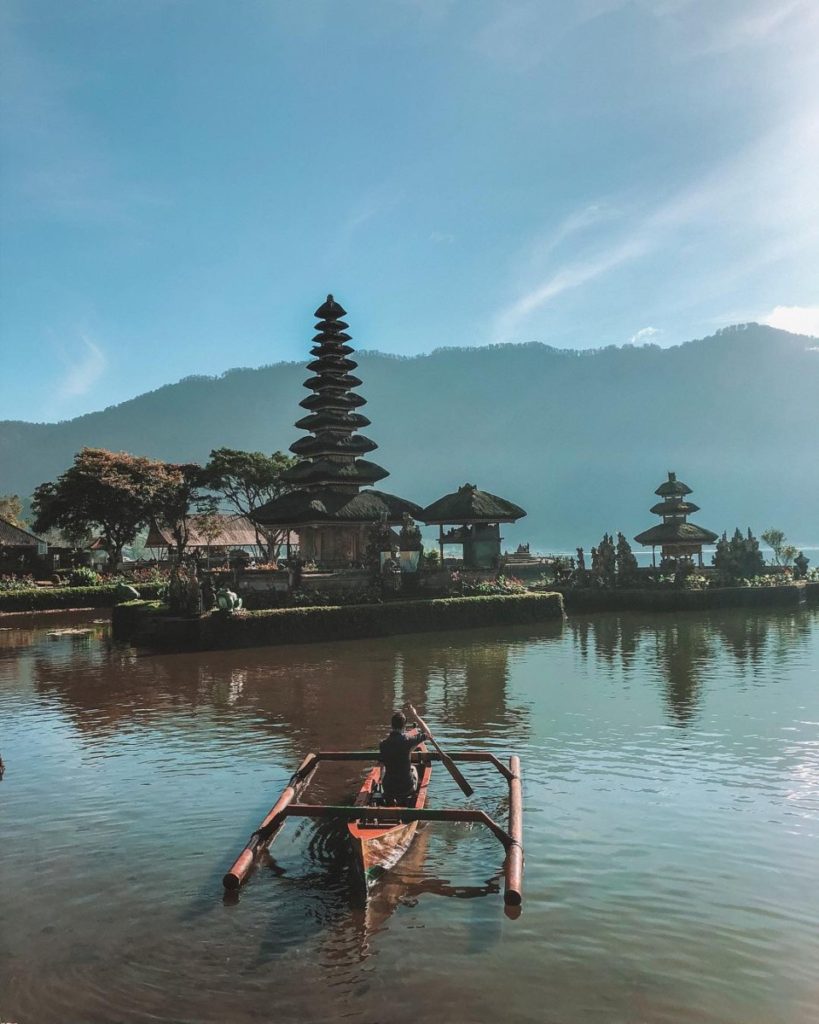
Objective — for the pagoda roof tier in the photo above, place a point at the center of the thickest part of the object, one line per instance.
(334, 337)
(326, 380)
(330, 310)
(667, 534)
(331, 363)
(672, 487)
(469, 505)
(321, 401)
(674, 507)
(325, 471)
(325, 347)
(346, 421)
(331, 330)
(303, 508)
(311, 447)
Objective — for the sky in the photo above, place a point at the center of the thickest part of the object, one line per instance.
(183, 181)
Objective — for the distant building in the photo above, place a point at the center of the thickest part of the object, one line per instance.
(675, 536)
(213, 534)
(474, 518)
(327, 507)
(20, 550)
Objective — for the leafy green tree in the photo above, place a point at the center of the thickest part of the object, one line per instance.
(784, 553)
(112, 493)
(604, 562)
(247, 480)
(177, 495)
(11, 509)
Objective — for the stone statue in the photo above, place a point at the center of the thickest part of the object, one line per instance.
(193, 593)
(227, 601)
(800, 566)
(208, 593)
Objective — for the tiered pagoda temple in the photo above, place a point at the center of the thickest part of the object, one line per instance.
(327, 506)
(675, 536)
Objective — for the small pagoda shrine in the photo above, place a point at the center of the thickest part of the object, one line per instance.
(675, 536)
(327, 506)
(474, 519)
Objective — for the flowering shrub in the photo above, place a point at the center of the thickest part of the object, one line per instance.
(321, 599)
(84, 577)
(11, 583)
(143, 574)
(463, 584)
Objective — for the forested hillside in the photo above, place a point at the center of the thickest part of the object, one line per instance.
(579, 439)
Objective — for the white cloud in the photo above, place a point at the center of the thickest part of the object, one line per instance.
(441, 237)
(797, 319)
(510, 319)
(644, 335)
(84, 367)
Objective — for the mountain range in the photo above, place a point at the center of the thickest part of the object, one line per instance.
(579, 438)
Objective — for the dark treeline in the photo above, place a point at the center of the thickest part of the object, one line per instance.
(580, 440)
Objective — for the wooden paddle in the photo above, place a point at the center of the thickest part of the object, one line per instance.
(446, 760)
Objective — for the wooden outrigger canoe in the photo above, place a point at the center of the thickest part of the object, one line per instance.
(378, 844)
(363, 812)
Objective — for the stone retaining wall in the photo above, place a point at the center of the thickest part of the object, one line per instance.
(671, 600)
(144, 624)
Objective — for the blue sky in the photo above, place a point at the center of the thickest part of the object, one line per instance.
(184, 180)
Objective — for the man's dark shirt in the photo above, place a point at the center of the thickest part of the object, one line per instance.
(395, 751)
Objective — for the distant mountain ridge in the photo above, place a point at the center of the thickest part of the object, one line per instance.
(580, 439)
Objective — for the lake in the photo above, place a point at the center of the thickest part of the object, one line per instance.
(671, 792)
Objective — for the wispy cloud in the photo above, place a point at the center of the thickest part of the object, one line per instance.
(84, 366)
(797, 319)
(761, 206)
(509, 320)
(370, 206)
(645, 335)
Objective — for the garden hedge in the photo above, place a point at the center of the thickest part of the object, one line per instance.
(144, 624)
(41, 599)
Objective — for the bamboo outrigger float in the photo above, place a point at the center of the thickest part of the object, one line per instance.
(368, 823)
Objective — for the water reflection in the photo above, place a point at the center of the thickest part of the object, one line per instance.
(687, 649)
(671, 873)
(320, 697)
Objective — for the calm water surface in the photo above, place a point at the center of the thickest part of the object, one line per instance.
(671, 769)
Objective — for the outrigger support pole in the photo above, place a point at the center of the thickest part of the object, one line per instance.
(288, 807)
(272, 823)
(513, 865)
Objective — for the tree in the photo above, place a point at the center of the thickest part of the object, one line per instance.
(246, 481)
(11, 509)
(177, 495)
(784, 553)
(604, 562)
(626, 562)
(112, 493)
(209, 526)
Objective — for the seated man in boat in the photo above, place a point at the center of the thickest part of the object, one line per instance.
(400, 778)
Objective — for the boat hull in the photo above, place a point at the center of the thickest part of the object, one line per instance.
(378, 846)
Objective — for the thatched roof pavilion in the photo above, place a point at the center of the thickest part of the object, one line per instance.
(327, 507)
(474, 517)
(675, 536)
(208, 531)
